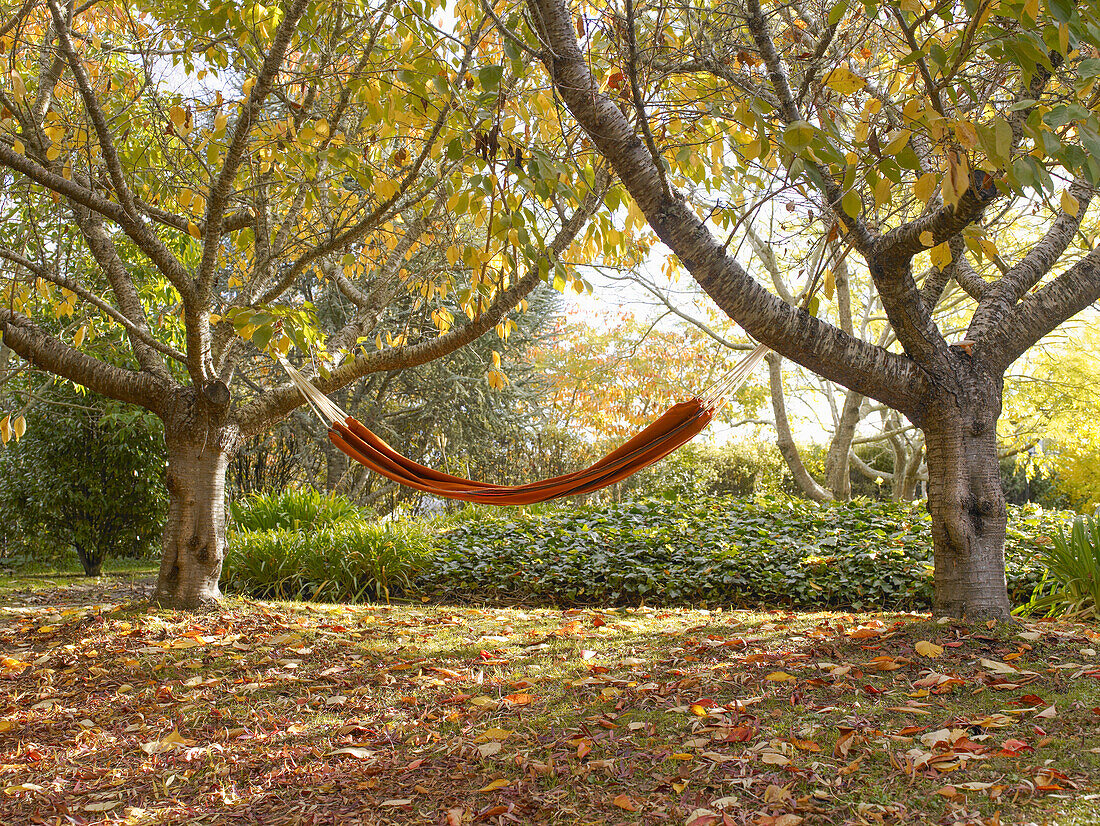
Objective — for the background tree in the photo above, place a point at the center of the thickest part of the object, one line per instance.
(87, 475)
(1052, 409)
(185, 182)
(899, 126)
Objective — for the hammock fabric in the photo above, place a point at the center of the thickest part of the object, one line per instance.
(676, 427)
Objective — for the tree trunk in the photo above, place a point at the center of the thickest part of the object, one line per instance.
(200, 445)
(784, 439)
(90, 561)
(965, 497)
(838, 474)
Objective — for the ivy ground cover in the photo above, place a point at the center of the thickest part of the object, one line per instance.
(713, 551)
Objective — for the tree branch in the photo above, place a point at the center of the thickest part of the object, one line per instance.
(138, 332)
(1041, 312)
(261, 412)
(49, 353)
(821, 347)
(1004, 293)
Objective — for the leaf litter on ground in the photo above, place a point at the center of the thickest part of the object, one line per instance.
(298, 713)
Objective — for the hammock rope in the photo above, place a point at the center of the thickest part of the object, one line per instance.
(677, 426)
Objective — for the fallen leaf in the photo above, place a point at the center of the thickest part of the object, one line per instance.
(169, 742)
(779, 677)
(494, 734)
(1048, 712)
(1012, 747)
(22, 787)
(499, 783)
(352, 751)
(701, 817)
(106, 806)
(623, 801)
(739, 734)
(928, 649)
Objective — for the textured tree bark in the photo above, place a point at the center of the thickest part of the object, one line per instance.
(200, 445)
(965, 497)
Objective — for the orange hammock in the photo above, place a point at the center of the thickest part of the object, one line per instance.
(677, 426)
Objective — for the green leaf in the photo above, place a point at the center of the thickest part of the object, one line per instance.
(836, 13)
(489, 77)
(799, 135)
(852, 203)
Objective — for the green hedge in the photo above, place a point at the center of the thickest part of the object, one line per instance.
(720, 551)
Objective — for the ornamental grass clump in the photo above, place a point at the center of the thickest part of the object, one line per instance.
(1070, 585)
(302, 509)
(347, 561)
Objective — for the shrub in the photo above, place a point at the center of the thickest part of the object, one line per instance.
(291, 509)
(736, 469)
(87, 476)
(346, 560)
(711, 551)
(1071, 582)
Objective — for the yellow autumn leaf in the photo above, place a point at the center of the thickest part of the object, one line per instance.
(19, 427)
(844, 80)
(193, 230)
(17, 146)
(780, 677)
(499, 783)
(78, 339)
(957, 179)
(178, 116)
(928, 649)
(5, 430)
(925, 187)
(882, 192)
(18, 88)
(1070, 205)
(927, 239)
(941, 255)
(966, 134)
(493, 734)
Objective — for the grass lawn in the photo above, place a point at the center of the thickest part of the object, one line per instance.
(289, 713)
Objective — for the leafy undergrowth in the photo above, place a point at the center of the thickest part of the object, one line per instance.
(712, 551)
(275, 713)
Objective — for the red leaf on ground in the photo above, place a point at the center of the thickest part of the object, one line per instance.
(1010, 748)
(740, 734)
